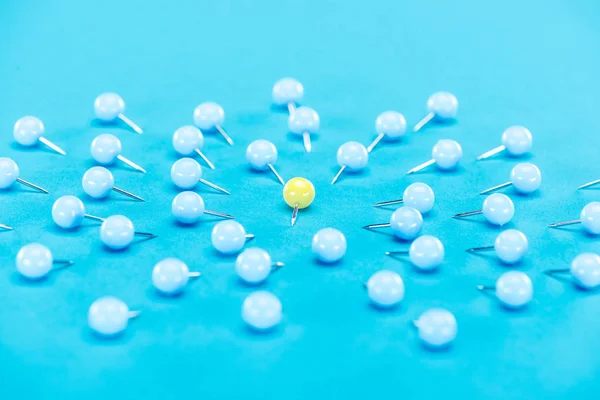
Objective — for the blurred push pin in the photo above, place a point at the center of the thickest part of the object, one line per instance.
(525, 177)
(109, 316)
(188, 140)
(329, 245)
(514, 289)
(516, 141)
(68, 212)
(425, 252)
(254, 265)
(34, 261)
(389, 124)
(304, 121)
(287, 92)
(186, 173)
(188, 208)
(497, 208)
(298, 193)
(584, 271)
(109, 107)
(170, 276)
(417, 195)
(28, 131)
(262, 155)
(352, 156)
(117, 232)
(441, 106)
(229, 237)
(445, 154)
(437, 328)
(98, 182)
(9, 174)
(106, 148)
(385, 288)
(406, 223)
(210, 116)
(262, 311)
(510, 246)
(6, 227)
(589, 218)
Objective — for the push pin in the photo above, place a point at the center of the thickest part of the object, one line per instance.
(516, 141)
(589, 218)
(441, 107)
(188, 140)
(9, 174)
(106, 148)
(262, 155)
(298, 193)
(584, 271)
(186, 173)
(514, 289)
(210, 116)
(28, 131)
(6, 227)
(117, 232)
(352, 156)
(171, 275)
(329, 245)
(425, 252)
(304, 121)
(188, 208)
(445, 155)
(385, 288)
(98, 182)
(406, 223)
(497, 208)
(254, 265)
(109, 107)
(262, 311)
(437, 328)
(34, 261)
(389, 124)
(525, 177)
(68, 212)
(510, 246)
(287, 92)
(109, 316)
(229, 237)
(417, 195)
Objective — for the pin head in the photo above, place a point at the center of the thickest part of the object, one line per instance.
(406, 223)
(68, 212)
(209, 115)
(9, 172)
(517, 140)
(585, 269)
(298, 192)
(97, 182)
(262, 311)
(329, 245)
(391, 123)
(108, 316)
(187, 207)
(446, 153)
(385, 288)
(426, 252)
(253, 265)
(514, 289)
(526, 177)
(304, 119)
(590, 217)
(443, 104)
(287, 90)
(170, 276)
(117, 232)
(437, 328)
(228, 237)
(28, 130)
(187, 139)
(186, 173)
(34, 261)
(498, 208)
(260, 154)
(353, 155)
(420, 196)
(108, 106)
(105, 148)
(510, 246)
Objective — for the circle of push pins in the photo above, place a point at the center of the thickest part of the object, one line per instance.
(109, 108)
(287, 92)
(188, 140)
(68, 212)
(389, 124)
(229, 237)
(254, 265)
(304, 121)
(186, 173)
(35, 261)
(117, 232)
(109, 316)
(329, 245)
(262, 155)
(262, 311)
(210, 116)
(28, 131)
(385, 289)
(406, 223)
(437, 328)
(584, 271)
(426, 253)
(589, 218)
(445, 155)
(298, 193)
(107, 148)
(510, 246)
(514, 289)
(497, 208)
(98, 182)
(188, 208)
(525, 177)
(171, 275)
(9, 174)
(351, 156)
(441, 107)
(516, 141)
(416, 195)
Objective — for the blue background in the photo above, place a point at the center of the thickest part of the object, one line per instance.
(532, 63)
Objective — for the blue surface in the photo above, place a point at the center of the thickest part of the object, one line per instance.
(531, 63)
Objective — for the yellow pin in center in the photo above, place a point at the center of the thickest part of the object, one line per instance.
(298, 193)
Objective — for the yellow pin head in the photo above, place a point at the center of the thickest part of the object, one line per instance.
(298, 192)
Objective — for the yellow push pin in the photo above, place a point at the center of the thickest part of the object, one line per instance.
(298, 193)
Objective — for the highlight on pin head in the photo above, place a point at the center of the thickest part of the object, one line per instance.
(253, 266)
(170, 276)
(287, 91)
(385, 289)
(262, 311)
(109, 316)
(437, 328)
(514, 289)
(406, 223)
(228, 237)
(329, 245)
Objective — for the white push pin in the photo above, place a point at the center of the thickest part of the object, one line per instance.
(584, 271)
(188, 208)
(98, 182)
(171, 275)
(516, 141)
(510, 246)
(262, 155)
(35, 261)
(445, 155)
(68, 212)
(188, 140)
(186, 173)
(287, 92)
(514, 289)
(109, 316)
(442, 106)
(110, 107)
(589, 218)
(106, 148)
(9, 174)
(425, 252)
(497, 208)
(28, 131)
(406, 223)
(417, 195)
(210, 116)
(389, 124)
(525, 177)
(352, 156)
(304, 121)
